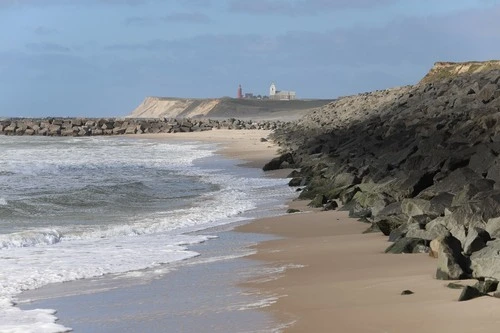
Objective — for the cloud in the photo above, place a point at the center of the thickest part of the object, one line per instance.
(187, 18)
(301, 7)
(43, 3)
(44, 31)
(47, 47)
(184, 17)
(339, 62)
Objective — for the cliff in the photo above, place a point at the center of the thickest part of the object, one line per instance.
(449, 70)
(164, 107)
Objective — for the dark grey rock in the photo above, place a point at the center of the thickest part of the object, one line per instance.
(476, 240)
(405, 245)
(486, 286)
(469, 293)
(318, 201)
(330, 205)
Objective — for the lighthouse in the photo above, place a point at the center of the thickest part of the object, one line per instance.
(240, 92)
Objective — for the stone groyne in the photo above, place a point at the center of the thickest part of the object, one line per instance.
(116, 126)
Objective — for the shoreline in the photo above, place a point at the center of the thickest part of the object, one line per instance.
(325, 275)
(343, 281)
(68, 297)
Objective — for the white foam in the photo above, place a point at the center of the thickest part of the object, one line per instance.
(3, 202)
(33, 258)
(263, 303)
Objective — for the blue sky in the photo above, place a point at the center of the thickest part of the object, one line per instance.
(102, 57)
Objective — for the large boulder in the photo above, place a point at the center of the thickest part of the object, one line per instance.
(433, 232)
(470, 190)
(493, 227)
(485, 263)
(452, 265)
(476, 240)
(452, 183)
(388, 223)
(277, 162)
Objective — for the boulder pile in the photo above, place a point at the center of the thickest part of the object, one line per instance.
(114, 126)
(419, 163)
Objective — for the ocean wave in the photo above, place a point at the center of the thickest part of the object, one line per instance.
(29, 238)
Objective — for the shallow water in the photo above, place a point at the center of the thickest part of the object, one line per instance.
(197, 295)
(73, 208)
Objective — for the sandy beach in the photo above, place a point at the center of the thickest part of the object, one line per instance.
(342, 280)
(245, 145)
(347, 283)
(338, 279)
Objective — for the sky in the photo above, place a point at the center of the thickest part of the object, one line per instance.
(101, 58)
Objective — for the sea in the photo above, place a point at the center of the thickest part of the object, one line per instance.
(84, 208)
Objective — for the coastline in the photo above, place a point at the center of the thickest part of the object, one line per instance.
(344, 282)
(326, 275)
(112, 301)
(340, 279)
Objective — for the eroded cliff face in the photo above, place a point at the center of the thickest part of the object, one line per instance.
(164, 107)
(448, 70)
(159, 107)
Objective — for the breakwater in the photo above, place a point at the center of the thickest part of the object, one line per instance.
(117, 126)
(420, 164)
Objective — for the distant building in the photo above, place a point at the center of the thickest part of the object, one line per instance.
(240, 92)
(281, 95)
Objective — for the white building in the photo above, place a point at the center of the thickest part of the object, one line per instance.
(281, 95)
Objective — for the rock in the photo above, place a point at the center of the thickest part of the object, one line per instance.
(389, 223)
(318, 201)
(430, 234)
(345, 179)
(469, 190)
(398, 233)
(485, 263)
(405, 245)
(291, 211)
(453, 285)
(294, 182)
(476, 240)
(493, 227)
(452, 265)
(482, 159)
(453, 183)
(407, 292)
(373, 228)
(263, 140)
(469, 293)
(486, 286)
(488, 93)
(330, 205)
(412, 207)
(277, 162)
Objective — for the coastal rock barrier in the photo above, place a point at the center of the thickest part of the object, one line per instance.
(420, 163)
(116, 126)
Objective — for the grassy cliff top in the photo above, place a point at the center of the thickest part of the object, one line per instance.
(448, 70)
